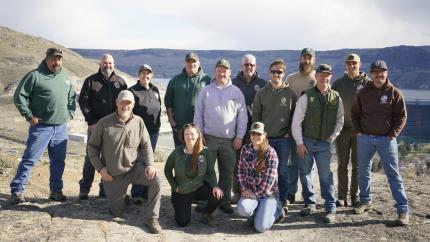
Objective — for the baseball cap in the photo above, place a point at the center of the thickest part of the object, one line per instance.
(324, 68)
(54, 52)
(257, 127)
(308, 51)
(192, 55)
(145, 67)
(224, 63)
(378, 64)
(352, 57)
(125, 95)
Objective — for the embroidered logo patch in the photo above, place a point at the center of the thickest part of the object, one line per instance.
(116, 84)
(311, 99)
(283, 100)
(359, 87)
(257, 88)
(201, 158)
(384, 99)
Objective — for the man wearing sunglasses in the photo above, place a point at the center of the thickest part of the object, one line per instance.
(274, 106)
(248, 81)
(317, 121)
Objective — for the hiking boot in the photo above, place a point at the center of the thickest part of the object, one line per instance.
(137, 200)
(208, 219)
(362, 207)
(17, 198)
(308, 209)
(341, 203)
(102, 193)
(282, 216)
(403, 219)
(153, 225)
(235, 197)
(227, 208)
(330, 217)
(355, 202)
(291, 198)
(83, 195)
(57, 196)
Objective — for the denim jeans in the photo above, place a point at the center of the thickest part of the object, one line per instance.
(320, 151)
(88, 172)
(282, 147)
(265, 211)
(139, 190)
(367, 145)
(41, 136)
(293, 170)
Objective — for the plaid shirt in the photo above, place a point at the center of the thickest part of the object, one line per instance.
(264, 184)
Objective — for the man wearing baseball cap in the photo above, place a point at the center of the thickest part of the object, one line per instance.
(317, 121)
(182, 92)
(221, 115)
(378, 116)
(352, 81)
(114, 148)
(299, 81)
(46, 99)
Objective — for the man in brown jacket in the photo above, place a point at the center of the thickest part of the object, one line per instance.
(120, 150)
(378, 115)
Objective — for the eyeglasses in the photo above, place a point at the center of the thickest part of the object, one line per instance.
(276, 72)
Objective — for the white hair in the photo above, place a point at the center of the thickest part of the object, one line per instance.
(249, 57)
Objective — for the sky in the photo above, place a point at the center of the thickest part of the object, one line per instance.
(222, 24)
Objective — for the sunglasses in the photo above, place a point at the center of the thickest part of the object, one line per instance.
(248, 65)
(276, 72)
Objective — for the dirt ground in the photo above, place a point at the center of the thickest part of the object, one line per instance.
(39, 219)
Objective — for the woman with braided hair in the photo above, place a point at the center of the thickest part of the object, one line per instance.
(258, 180)
(194, 177)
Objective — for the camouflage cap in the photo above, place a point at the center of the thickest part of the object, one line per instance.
(378, 64)
(257, 127)
(54, 52)
(353, 57)
(224, 63)
(307, 51)
(324, 68)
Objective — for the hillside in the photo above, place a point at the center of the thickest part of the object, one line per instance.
(21, 53)
(409, 65)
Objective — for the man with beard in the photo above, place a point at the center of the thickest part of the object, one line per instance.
(346, 143)
(97, 100)
(221, 115)
(249, 83)
(46, 98)
(299, 82)
(181, 94)
(114, 147)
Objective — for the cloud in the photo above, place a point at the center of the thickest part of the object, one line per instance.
(222, 24)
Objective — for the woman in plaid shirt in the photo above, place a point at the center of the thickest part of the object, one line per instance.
(258, 180)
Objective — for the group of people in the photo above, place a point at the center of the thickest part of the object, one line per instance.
(263, 135)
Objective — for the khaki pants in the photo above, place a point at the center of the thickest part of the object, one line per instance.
(345, 143)
(116, 191)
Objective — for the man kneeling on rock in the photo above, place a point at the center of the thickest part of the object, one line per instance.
(120, 150)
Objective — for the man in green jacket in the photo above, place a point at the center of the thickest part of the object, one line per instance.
(182, 92)
(46, 99)
(346, 143)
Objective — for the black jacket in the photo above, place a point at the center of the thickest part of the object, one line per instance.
(147, 106)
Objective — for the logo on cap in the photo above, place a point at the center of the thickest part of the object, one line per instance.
(224, 63)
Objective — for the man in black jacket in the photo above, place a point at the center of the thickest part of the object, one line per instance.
(97, 100)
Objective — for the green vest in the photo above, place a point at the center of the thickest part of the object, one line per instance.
(320, 117)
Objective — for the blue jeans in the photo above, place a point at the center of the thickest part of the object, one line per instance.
(293, 170)
(282, 147)
(139, 190)
(41, 136)
(265, 211)
(367, 145)
(320, 151)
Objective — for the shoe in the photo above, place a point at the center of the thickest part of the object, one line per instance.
(137, 200)
(200, 206)
(57, 196)
(403, 219)
(153, 225)
(330, 217)
(282, 216)
(83, 195)
(227, 208)
(308, 209)
(235, 198)
(362, 207)
(341, 203)
(355, 202)
(102, 194)
(208, 219)
(17, 198)
(291, 198)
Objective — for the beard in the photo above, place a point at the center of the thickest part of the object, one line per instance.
(306, 68)
(106, 72)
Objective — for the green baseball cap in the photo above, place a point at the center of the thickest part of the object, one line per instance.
(308, 51)
(224, 63)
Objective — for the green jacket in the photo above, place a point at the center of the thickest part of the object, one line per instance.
(275, 109)
(348, 89)
(181, 94)
(320, 118)
(184, 179)
(45, 95)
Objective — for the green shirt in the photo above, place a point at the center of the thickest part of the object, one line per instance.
(185, 180)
